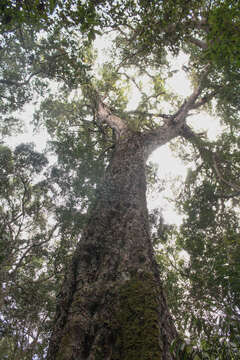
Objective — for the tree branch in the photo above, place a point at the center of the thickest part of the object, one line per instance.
(19, 263)
(148, 114)
(103, 113)
(229, 196)
(205, 99)
(173, 125)
(200, 43)
(10, 82)
(221, 177)
(195, 139)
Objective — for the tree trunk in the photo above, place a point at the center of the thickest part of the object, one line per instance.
(112, 304)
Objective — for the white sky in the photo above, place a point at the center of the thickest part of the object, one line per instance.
(39, 139)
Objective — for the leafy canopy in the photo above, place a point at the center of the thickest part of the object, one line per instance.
(47, 57)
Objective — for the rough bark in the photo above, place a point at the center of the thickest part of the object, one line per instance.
(112, 304)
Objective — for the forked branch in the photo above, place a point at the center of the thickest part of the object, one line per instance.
(173, 125)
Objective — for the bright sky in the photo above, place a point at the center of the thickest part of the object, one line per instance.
(39, 139)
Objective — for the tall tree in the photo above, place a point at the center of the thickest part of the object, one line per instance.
(112, 304)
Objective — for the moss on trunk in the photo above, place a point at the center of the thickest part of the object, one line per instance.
(138, 318)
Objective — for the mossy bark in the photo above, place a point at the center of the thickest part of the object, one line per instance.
(112, 304)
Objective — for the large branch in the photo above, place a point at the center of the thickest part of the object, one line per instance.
(103, 113)
(173, 125)
(211, 157)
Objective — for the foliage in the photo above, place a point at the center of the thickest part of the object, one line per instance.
(25, 12)
(38, 43)
(223, 36)
(200, 261)
(46, 55)
(27, 263)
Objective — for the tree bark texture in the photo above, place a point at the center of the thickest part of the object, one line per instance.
(112, 304)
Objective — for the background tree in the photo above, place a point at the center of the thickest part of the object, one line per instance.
(27, 253)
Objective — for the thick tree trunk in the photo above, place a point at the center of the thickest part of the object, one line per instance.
(112, 304)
